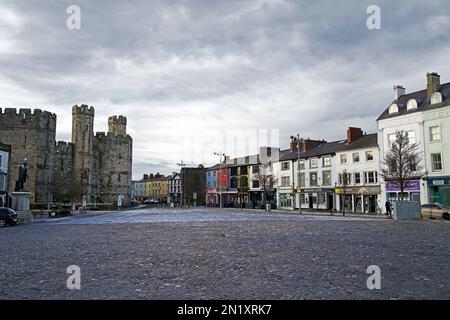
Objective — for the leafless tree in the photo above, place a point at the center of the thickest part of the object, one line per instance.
(267, 180)
(402, 162)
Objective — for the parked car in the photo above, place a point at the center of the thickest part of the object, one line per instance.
(8, 217)
(435, 211)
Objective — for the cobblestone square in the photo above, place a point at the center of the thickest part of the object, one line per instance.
(233, 254)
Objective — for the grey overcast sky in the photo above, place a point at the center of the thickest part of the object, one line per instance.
(186, 74)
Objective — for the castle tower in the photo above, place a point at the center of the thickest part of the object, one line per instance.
(83, 139)
(117, 125)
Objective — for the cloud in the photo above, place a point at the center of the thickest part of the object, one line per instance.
(185, 73)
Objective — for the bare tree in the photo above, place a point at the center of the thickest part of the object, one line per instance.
(402, 162)
(266, 179)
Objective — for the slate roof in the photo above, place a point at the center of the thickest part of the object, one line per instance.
(329, 148)
(423, 102)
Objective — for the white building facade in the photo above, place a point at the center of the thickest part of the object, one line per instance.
(424, 116)
(175, 188)
(358, 186)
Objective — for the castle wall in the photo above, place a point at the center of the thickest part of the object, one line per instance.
(92, 165)
(63, 171)
(82, 138)
(112, 163)
(32, 136)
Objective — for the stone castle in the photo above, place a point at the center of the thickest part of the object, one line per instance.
(97, 166)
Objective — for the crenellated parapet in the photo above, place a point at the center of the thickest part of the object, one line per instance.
(83, 109)
(117, 125)
(36, 118)
(112, 138)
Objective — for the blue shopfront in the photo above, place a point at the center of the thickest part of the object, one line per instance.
(439, 190)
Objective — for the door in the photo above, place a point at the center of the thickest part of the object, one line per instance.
(372, 204)
(330, 202)
(310, 198)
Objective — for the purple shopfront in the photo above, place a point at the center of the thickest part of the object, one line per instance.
(411, 191)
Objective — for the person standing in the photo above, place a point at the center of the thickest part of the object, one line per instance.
(388, 209)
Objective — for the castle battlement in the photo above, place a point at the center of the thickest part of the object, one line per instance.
(83, 109)
(27, 113)
(117, 120)
(111, 137)
(28, 118)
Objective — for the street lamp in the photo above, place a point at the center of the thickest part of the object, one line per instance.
(220, 154)
(181, 165)
(297, 141)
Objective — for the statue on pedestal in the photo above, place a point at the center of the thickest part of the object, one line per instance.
(23, 175)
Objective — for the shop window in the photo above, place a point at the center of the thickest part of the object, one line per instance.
(322, 198)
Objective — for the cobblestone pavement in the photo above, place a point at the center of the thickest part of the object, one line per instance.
(203, 254)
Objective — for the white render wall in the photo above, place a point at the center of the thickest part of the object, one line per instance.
(319, 170)
(407, 122)
(361, 167)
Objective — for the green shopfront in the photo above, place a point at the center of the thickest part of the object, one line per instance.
(439, 190)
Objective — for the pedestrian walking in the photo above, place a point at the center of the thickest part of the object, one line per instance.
(388, 209)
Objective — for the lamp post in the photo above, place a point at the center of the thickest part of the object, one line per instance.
(297, 140)
(181, 165)
(220, 154)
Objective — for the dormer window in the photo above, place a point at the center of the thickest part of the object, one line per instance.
(436, 97)
(393, 109)
(412, 104)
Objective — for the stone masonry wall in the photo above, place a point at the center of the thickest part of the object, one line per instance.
(82, 138)
(112, 163)
(32, 136)
(63, 171)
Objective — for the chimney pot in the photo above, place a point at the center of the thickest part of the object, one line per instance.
(353, 134)
(433, 83)
(398, 91)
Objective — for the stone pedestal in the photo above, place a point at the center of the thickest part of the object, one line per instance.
(21, 204)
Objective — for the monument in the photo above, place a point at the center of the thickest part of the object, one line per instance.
(21, 197)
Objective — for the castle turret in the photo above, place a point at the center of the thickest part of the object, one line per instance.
(82, 138)
(117, 125)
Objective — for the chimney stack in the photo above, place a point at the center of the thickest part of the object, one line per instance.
(398, 91)
(433, 83)
(353, 134)
(145, 177)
